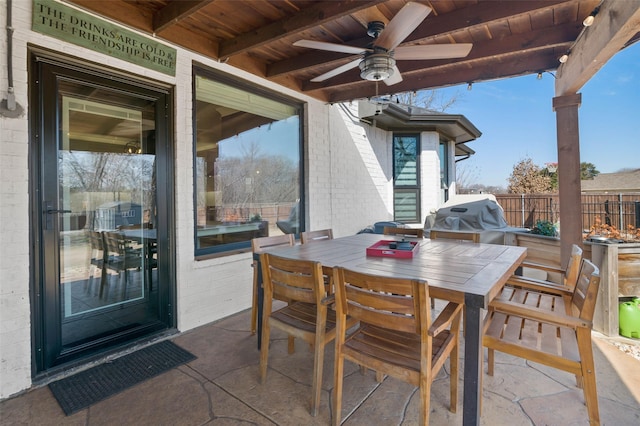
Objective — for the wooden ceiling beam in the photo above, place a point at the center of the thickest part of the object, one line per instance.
(307, 18)
(616, 24)
(122, 12)
(479, 14)
(175, 12)
(130, 14)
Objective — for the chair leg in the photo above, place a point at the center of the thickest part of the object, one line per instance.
(264, 350)
(425, 398)
(291, 347)
(254, 300)
(588, 375)
(490, 360)
(338, 371)
(316, 383)
(454, 360)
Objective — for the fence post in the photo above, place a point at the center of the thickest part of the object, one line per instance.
(637, 205)
(522, 208)
(621, 212)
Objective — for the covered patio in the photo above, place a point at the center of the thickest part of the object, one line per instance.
(317, 49)
(261, 41)
(222, 386)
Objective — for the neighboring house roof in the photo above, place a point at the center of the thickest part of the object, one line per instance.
(613, 182)
(400, 117)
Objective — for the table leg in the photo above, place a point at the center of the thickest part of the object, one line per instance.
(472, 364)
(260, 298)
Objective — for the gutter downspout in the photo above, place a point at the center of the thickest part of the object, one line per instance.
(8, 107)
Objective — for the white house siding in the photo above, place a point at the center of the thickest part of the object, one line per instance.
(347, 186)
(361, 192)
(429, 173)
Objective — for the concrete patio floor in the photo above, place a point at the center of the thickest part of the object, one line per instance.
(222, 387)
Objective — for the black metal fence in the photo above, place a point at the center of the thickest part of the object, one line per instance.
(619, 210)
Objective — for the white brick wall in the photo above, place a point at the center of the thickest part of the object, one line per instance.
(348, 185)
(15, 314)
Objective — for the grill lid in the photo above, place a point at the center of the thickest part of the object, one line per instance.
(470, 213)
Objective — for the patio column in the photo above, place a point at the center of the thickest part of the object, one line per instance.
(566, 109)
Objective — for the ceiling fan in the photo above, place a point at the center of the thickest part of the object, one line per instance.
(378, 62)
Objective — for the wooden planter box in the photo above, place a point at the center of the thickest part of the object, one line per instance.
(619, 266)
(619, 277)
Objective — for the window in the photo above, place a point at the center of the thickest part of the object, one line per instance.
(247, 167)
(406, 178)
(444, 171)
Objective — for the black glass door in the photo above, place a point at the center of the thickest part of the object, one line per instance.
(102, 263)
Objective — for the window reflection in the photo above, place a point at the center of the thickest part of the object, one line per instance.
(247, 166)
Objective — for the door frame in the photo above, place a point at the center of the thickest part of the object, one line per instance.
(164, 204)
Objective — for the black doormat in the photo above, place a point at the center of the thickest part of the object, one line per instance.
(81, 390)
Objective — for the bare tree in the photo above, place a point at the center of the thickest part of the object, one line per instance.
(255, 177)
(527, 178)
(466, 177)
(429, 99)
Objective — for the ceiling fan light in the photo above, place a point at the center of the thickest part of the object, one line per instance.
(377, 66)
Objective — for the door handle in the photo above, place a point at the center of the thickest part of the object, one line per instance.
(49, 211)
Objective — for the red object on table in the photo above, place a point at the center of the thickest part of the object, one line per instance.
(382, 249)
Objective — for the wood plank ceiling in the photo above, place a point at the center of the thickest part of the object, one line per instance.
(510, 38)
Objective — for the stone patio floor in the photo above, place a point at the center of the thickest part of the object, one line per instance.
(222, 387)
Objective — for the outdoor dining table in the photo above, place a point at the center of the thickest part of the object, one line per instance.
(456, 271)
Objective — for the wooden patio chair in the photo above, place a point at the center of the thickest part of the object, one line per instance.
(315, 236)
(395, 336)
(403, 232)
(521, 289)
(97, 261)
(120, 257)
(257, 245)
(454, 235)
(312, 236)
(307, 316)
(551, 332)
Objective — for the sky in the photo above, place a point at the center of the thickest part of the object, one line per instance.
(517, 121)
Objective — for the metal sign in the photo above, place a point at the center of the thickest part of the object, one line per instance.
(73, 26)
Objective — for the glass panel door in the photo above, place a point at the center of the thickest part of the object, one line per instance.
(100, 251)
(106, 185)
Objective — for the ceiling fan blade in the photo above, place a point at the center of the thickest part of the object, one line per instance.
(403, 24)
(395, 78)
(331, 47)
(344, 68)
(432, 51)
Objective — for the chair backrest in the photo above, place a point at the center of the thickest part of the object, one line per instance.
(392, 230)
(115, 243)
(258, 244)
(293, 280)
(573, 268)
(96, 240)
(454, 235)
(399, 304)
(583, 301)
(320, 235)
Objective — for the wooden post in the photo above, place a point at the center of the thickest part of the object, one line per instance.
(566, 109)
